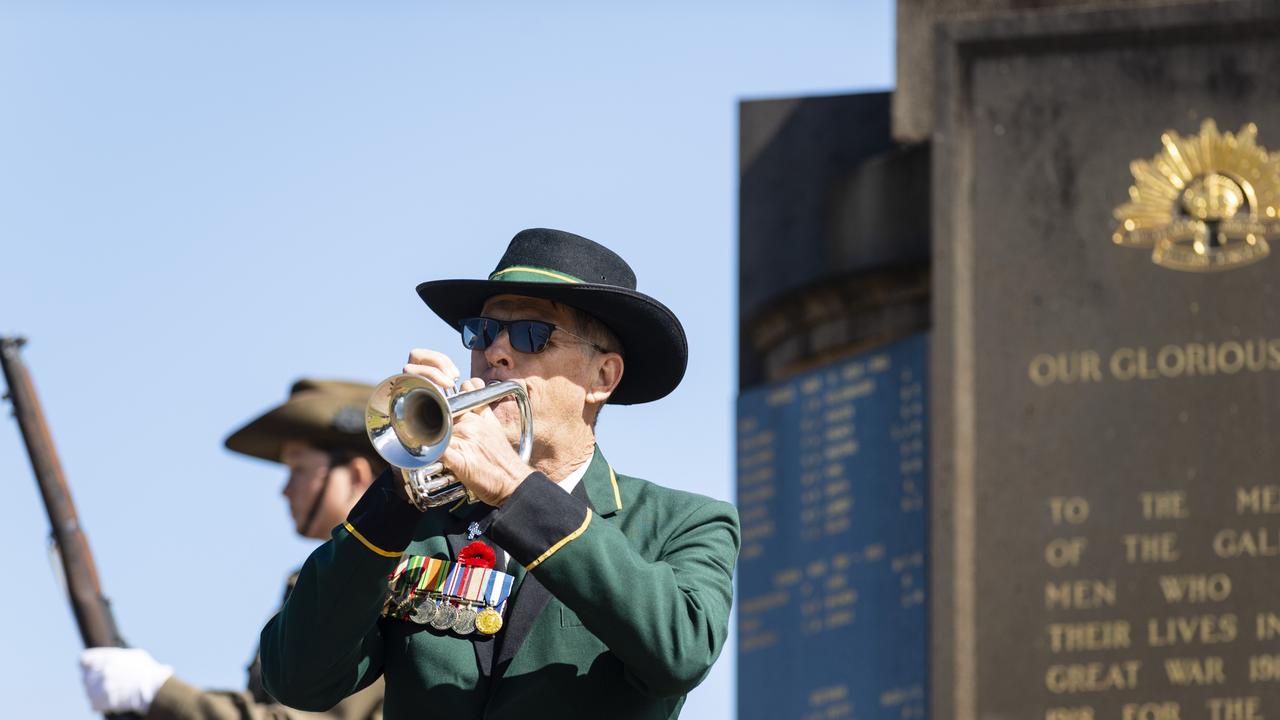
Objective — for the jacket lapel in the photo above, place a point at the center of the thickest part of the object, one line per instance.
(599, 490)
(530, 600)
(602, 487)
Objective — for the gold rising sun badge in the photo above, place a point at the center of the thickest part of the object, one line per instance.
(1204, 203)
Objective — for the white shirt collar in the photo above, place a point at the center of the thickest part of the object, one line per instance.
(569, 483)
(575, 477)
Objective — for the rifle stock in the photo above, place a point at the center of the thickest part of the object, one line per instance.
(91, 608)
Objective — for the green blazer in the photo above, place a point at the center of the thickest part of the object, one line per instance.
(621, 605)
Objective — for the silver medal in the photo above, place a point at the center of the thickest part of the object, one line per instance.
(465, 624)
(444, 617)
(423, 611)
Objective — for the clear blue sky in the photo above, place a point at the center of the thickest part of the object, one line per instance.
(199, 204)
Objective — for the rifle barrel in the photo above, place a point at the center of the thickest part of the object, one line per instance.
(91, 609)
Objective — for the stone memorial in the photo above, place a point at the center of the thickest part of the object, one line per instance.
(1105, 365)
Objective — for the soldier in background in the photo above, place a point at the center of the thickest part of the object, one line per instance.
(318, 433)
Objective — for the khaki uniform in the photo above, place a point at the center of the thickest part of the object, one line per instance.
(177, 700)
(326, 414)
(180, 701)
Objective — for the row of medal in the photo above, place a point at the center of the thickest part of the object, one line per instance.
(448, 596)
(446, 614)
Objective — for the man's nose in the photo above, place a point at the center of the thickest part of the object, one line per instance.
(288, 484)
(499, 352)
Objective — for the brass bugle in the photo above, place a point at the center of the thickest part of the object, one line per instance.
(410, 420)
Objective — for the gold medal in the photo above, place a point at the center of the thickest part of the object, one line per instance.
(488, 621)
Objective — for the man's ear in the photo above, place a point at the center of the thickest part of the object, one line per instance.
(361, 474)
(608, 373)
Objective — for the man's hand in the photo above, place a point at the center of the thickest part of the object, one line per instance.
(479, 453)
(481, 456)
(434, 366)
(119, 680)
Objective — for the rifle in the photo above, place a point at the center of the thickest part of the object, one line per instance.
(91, 608)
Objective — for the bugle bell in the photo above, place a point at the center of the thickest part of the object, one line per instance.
(410, 420)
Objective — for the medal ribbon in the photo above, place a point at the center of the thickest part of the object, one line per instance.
(454, 580)
(473, 588)
(468, 574)
(435, 576)
(419, 573)
(404, 569)
(498, 589)
(400, 568)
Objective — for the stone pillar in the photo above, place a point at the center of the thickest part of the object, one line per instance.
(1105, 370)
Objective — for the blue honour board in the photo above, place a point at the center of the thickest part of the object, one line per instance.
(832, 480)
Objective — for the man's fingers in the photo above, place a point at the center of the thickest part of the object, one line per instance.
(449, 456)
(423, 356)
(464, 425)
(469, 385)
(432, 373)
(454, 455)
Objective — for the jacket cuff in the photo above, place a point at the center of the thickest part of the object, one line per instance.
(537, 520)
(174, 700)
(383, 520)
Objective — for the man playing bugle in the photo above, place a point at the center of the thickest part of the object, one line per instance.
(318, 433)
(568, 590)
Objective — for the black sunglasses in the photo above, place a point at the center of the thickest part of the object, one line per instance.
(526, 336)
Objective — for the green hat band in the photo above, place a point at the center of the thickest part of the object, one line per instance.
(527, 273)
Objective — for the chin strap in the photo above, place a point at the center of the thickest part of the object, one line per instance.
(336, 460)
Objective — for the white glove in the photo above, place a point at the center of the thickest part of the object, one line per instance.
(121, 680)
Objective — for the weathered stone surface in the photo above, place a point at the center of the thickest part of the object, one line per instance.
(1103, 428)
(916, 20)
(826, 204)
